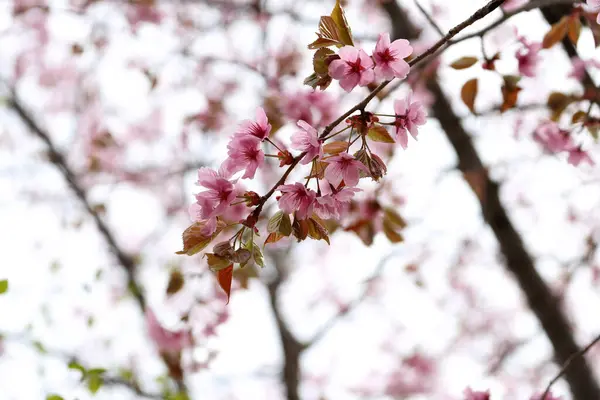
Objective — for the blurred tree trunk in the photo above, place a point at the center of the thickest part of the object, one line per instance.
(519, 262)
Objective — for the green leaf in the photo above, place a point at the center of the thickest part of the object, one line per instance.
(40, 347)
(280, 223)
(3, 286)
(378, 133)
(78, 367)
(95, 382)
(273, 224)
(54, 397)
(258, 256)
(320, 61)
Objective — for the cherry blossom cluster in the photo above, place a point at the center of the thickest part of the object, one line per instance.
(354, 67)
(553, 139)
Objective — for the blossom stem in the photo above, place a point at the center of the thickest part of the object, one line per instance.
(337, 133)
(273, 143)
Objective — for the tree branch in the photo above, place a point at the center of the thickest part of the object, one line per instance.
(291, 347)
(519, 262)
(532, 5)
(567, 364)
(125, 260)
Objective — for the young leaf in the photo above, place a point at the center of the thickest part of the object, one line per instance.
(556, 33)
(3, 286)
(274, 222)
(574, 29)
(510, 92)
(378, 133)
(193, 239)
(95, 382)
(364, 230)
(273, 237)
(320, 64)
(300, 229)
(258, 256)
(224, 277)
(389, 214)
(557, 102)
(391, 233)
(335, 147)
(176, 282)
(464, 62)
(468, 93)
(338, 16)
(54, 397)
(217, 263)
(241, 256)
(316, 230)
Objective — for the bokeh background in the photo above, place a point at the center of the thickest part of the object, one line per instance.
(135, 96)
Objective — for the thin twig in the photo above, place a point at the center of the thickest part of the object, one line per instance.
(531, 5)
(429, 18)
(566, 365)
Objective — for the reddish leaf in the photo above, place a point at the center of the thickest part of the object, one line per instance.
(273, 237)
(335, 147)
(556, 33)
(464, 62)
(364, 230)
(468, 93)
(193, 239)
(510, 92)
(574, 29)
(225, 276)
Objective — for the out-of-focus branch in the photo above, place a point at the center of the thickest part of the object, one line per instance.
(553, 14)
(567, 364)
(56, 158)
(532, 5)
(292, 348)
(542, 302)
(126, 261)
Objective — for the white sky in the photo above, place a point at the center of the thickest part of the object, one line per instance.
(38, 212)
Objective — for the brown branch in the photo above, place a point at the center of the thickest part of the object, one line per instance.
(126, 261)
(292, 348)
(519, 262)
(532, 5)
(567, 364)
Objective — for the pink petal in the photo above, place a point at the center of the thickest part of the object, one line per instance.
(348, 53)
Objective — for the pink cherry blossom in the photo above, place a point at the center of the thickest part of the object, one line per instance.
(259, 128)
(333, 204)
(528, 57)
(409, 116)
(307, 140)
(580, 65)
(595, 7)
(297, 198)
(510, 5)
(470, 394)
(353, 68)
(325, 207)
(244, 154)
(315, 107)
(165, 340)
(344, 167)
(552, 138)
(389, 58)
(577, 156)
(215, 201)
